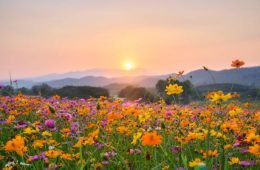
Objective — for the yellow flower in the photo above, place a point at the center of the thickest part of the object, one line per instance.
(194, 163)
(16, 145)
(219, 96)
(234, 160)
(136, 137)
(10, 119)
(235, 111)
(47, 134)
(173, 89)
(166, 167)
(30, 131)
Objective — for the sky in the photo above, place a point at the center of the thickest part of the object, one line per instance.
(57, 36)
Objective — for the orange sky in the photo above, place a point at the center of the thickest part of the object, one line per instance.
(42, 37)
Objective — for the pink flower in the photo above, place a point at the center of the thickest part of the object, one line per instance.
(49, 123)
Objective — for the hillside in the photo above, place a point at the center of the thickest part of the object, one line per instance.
(249, 76)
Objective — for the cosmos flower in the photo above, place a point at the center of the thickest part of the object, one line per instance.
(234, 160)
(151, 139)
(237, 63)
(16, 145)
(255, 149)
(49, 123)
(52, 153)
(246, 163)
(219, 96)
(136, 137)
(173, 89)
(196, 162)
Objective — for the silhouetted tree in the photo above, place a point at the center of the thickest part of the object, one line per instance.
(134, 93)
(185, 97)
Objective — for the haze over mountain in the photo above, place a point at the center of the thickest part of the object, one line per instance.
(249, 76)
(91, 72)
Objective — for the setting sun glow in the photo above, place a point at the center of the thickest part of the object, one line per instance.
(128, 66)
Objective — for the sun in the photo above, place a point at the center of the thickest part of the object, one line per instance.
(129, 66)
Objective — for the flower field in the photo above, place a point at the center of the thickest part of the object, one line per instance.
(107, 133)
(58, 133)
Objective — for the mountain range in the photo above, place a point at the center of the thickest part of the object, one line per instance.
(249, 76)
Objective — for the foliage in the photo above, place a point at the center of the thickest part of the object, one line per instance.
(81, 91)
(100, 133)
(134, 93)
(187, 96)
(45, 90)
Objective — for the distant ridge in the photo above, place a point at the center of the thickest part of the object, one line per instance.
(249, 76)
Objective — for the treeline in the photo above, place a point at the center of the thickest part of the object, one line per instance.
(134, 93)
(190, 93)
(68, 91)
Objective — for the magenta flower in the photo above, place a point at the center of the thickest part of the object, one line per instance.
(49, 123)
(34, 157)
(247, 163)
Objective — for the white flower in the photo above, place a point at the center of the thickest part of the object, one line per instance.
(24, 164)
(51, 147)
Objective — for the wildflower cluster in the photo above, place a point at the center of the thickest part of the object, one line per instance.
(105, 133)
(99, 133)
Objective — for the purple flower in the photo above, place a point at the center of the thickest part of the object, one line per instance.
(247, 163)
(179, 168)
(104, 122)
(138, 151)
(34, 157)
(67, 116)
(82, 100)
(105, 162)
(176, 149)
(49, 123)
(74, 126)
(20, 125)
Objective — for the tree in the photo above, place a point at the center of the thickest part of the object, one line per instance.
(7, 91)
(134, 93)
(185, 97)
(81, 91)
(44, 89)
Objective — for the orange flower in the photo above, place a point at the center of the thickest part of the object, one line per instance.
(52, 153)
(237, 63)
(38, 144)
(17, 145)
(255, 149)
(235, 95)
(151, 139)
(180, 73)
(66, 156)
